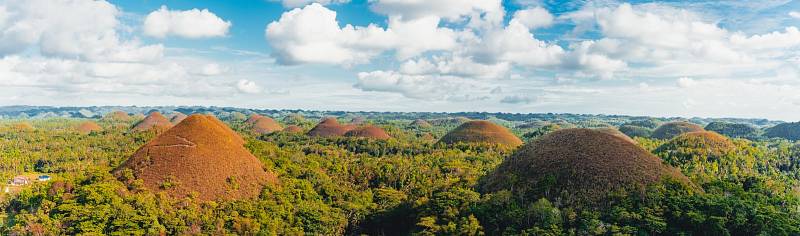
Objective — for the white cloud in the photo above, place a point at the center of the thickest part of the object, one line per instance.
(247, 86)
(480, 13)
(794, 14)
(71, 29)
(425, 87)
(300, 3)
(211, 69)
(312, 35)
(456, 66)
(533, 18)
(685, 82)
(516, 44)
(192, 23)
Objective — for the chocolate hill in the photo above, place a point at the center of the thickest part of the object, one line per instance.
(154, 121)
(635, 131)
(22, 127)
(117, 116)
(88, 127)
(616, 132)
(578, 166)
(200, 154)
(368, 132)
(481, 131)
(293, 129)
(177, 117)
(693, 145)
(253, 118)
(329, 127)
(265, 125)
(672, 129)
(420, 123)
(790, 131)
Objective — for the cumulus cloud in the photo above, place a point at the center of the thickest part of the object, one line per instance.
(480, 13)
(300, 3)
(425, 87)
(533, 18)
(794, 14)
(71, 29)
(313, 35)
(192, 23)
(247, 86)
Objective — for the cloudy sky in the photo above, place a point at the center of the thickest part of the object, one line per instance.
(672, 58)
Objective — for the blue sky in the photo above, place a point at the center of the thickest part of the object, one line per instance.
(660, 58)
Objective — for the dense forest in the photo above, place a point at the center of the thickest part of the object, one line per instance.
(739, 181)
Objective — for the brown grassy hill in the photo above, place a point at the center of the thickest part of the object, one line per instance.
(265, 125)
(420, 123)
(616, 132)
(138, 116)
(700, 144)
(88, 127)
(154, 121)
(481, 131)
(177, 117)
(578, 166)
(202, 155)
(329, 127)
(293, 129)
(22, 127)
(253, 118)
(672, 129)
(368, 132)
(117, 116)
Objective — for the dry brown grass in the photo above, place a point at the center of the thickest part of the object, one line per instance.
(368, 132)
(155, 121)
(202, 155)
(481, 131)
(177, 117)
(293, 129)
(616, 132)
(22, 127)
(117, 116)
(673, 129)
(578, 166)
(88, 127)
(700, 144)
(329, 127)
(265, 125)
(253, 118)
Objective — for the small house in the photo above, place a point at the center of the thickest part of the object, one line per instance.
(20, 180)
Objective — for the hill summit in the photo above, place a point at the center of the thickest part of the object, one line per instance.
(481, 131)
(329, 127)
(88, 127)
(578, 166)
(265, 125)
(672, 129)
(201, 154)
(154, 121)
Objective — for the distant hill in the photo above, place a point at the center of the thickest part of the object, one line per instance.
(790, 131)
(481, 131)
(672, 129)
(733, 130)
